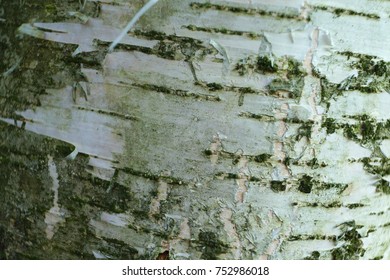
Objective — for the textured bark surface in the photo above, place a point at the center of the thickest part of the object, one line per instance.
(215, 130)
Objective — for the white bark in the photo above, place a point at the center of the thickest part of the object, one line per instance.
(237, 173)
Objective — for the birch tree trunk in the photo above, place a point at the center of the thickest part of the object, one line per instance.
(215, 130)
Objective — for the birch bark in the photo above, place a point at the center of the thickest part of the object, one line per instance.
(216, 129)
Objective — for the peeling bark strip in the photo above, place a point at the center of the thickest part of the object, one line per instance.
(55, 215)
(219, 129)
(136, 17)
